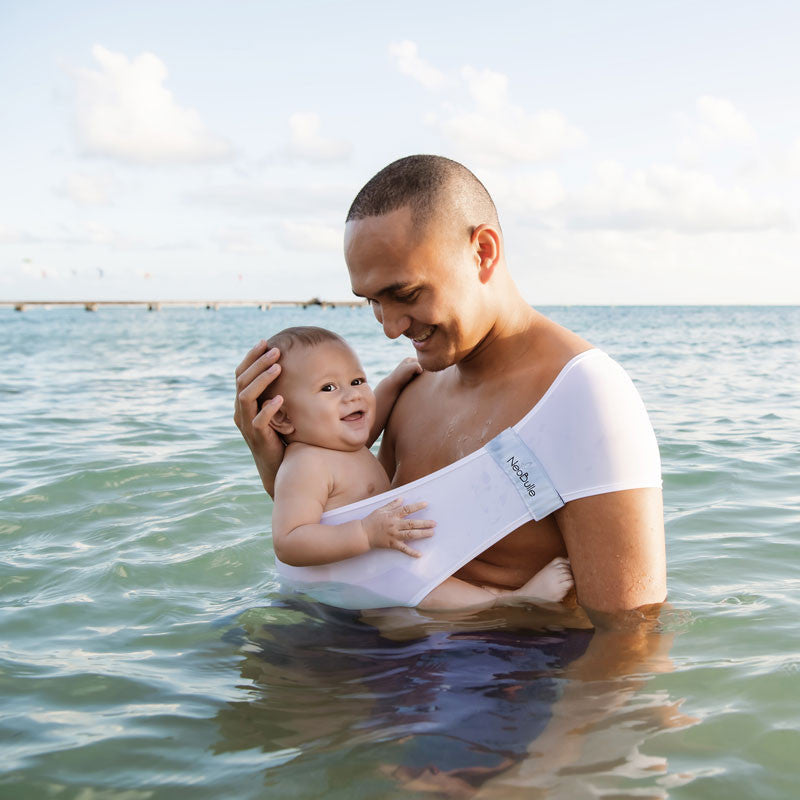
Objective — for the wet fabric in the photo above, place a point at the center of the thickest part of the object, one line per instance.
(589, 434)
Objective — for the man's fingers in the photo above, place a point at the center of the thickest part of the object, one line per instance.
(252, 356)
(268, 410)
(256, 368)
(250, 393)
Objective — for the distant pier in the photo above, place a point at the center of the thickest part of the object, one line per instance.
(157, 305)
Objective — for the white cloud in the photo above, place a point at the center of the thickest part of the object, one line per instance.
(307, 143)
(662, 267)
(407, 60)
(664, 197)
(791, 162)
(238, 241)
(496, 131)
(97, 233)
(721, 120)
(299, 198)
(12, 235)
(311, 237)
(89, 190)
(124, 111)
(525, 194)
(717, 124)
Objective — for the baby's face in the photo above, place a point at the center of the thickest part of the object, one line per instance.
(326, 396)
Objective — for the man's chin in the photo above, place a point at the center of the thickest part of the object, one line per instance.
(433, 361)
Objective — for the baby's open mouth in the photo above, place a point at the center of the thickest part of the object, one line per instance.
(354, 417)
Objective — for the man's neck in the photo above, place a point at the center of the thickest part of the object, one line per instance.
(509, 339)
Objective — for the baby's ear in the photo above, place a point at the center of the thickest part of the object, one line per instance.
(281, 422)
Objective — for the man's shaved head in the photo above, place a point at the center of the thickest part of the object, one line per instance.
(431, 187)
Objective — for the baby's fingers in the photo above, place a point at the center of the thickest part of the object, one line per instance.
(404, 548)
(396, 507)
(412, 508)
(424, 533)
(414, 524)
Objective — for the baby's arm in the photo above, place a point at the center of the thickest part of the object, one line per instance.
(299, 538)
(387, 392)
(550, 584)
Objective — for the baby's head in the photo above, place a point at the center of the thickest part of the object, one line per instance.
(326, 399)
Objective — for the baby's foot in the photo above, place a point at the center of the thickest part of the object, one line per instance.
(551, 583)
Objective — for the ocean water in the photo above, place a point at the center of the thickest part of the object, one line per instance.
(146, 650)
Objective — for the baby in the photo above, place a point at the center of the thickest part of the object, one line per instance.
(329, 418)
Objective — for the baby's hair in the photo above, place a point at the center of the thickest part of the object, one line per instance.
(307, 335)
(303, 335)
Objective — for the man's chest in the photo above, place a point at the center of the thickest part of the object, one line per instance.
(442, 426)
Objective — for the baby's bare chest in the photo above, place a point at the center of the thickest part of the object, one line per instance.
(356, 476)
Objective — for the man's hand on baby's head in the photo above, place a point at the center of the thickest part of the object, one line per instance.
(388, 527)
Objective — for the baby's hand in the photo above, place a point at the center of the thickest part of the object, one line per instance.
(388, 527)
(407, 369)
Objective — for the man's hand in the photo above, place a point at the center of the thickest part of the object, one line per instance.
(256, 372)
(387, 527)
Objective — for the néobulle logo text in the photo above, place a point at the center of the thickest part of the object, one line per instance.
(522, 476)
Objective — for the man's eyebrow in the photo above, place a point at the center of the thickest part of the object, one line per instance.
(392, 288)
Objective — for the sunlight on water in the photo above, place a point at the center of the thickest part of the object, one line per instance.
(146, 650)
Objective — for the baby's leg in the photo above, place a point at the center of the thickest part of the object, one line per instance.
(551, 583)
(454, 593)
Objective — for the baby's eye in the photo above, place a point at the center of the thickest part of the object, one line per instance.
(358, 381)
(328, 387)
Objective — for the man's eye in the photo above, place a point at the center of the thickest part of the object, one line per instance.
(328, 387)
(408, 297)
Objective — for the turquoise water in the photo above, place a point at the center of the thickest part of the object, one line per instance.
(146, 651)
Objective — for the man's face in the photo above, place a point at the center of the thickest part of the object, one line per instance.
(423, 285)
(326, 396)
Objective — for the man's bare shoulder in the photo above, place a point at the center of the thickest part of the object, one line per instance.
(552, 346)
(417, 394)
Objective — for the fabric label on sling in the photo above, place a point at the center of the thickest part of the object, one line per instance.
(526, 473)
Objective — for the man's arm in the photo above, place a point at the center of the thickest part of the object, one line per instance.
(615, 543)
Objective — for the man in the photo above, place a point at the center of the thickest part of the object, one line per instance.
(423, 245)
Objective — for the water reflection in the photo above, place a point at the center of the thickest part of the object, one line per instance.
(487, 706)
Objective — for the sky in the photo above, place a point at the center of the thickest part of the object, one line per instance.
(638, 153)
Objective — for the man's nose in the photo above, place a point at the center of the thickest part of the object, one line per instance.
(394, 324)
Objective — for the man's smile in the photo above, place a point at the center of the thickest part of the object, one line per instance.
(418, 338)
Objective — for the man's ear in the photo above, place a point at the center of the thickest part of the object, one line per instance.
(486, 243)
(281, 423)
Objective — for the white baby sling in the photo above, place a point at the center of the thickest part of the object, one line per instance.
(589, 434)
